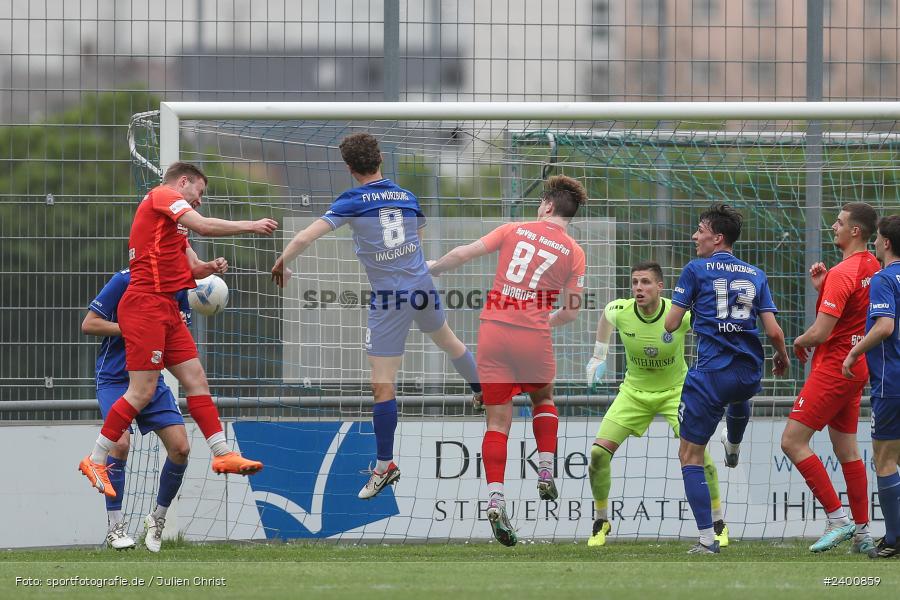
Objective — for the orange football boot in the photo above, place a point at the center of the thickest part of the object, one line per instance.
(233, 462)
(97, 475)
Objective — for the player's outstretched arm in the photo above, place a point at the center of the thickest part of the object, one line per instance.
(674, 318)
(201, 269)
(881, 330)
(297, 246)
(94, 324)
(457, 257)
(814, 336)
(211, 227)
(596, 367)
(776, 336)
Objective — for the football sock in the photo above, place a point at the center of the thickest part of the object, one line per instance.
(169, 482)
(707, 536)
(465, 366)
(160, 512)
(838, 516)
(737, 416)
(205, 414)
(113, 518)
(599, 473)
(495, 488)
(712, 483)
(816, 477)
(218, 444)
(115, 470)
(889, 498)
(493, 455)
(119, 417)
(857, 490)
(698, 497)
(384, 419)
(545, 424)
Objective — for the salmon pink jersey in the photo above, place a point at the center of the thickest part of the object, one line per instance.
(845, 295)
(536, 261)
(156, 247)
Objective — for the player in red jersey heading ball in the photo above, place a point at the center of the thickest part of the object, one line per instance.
(155, 335)
(538, 265)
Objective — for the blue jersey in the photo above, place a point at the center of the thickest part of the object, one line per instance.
(884, 359)
(385, 220)
(725, 296)
(110, 369)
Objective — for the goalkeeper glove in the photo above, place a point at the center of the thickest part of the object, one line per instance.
(596, 367)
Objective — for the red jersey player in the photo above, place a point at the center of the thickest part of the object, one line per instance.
(155, 335)
(539, 264)
(828, 398)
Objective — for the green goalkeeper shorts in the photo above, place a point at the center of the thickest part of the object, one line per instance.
(633, 410)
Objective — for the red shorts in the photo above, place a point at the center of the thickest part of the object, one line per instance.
(829, 400)
(512, 360)
(155, 336)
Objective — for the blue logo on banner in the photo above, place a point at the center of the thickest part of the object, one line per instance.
(311, 478)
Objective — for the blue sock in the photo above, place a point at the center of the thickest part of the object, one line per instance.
(737, 416)
(698, 495)
(384, 418)
(465, 366)
(169, 482)
(889, 498)
(115, 469)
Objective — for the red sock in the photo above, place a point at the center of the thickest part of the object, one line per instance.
(119, 417)
(205, 414)
(545, 424)
(816, 477)
(493, 454)
(857, 490)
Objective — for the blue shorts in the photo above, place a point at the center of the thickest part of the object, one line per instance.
(886, 418)
(162, 411)
(706, 394)
(391, 314)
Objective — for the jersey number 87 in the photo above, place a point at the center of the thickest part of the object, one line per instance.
(521, 258)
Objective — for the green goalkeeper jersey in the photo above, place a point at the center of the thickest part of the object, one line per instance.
(654, 359)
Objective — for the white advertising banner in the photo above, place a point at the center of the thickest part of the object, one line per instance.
(309, 486)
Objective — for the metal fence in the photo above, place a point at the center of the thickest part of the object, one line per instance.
(73, 71)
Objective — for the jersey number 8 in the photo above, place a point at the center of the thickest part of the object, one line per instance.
(392, 230)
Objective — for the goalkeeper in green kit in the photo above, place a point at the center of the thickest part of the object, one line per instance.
(654, 375)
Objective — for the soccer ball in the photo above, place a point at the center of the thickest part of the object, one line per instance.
(210, 297)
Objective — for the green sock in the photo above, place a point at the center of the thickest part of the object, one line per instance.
(600, 475)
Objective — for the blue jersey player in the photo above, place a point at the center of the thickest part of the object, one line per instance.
(387, 223)
(161, 416)
(881, 346)
(725, 296)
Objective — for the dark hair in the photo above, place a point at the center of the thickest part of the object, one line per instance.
(178, 169)
(565, 194)
(889, 228)
(863, 216)
(361, 153)
(648, 265)
(724, 220)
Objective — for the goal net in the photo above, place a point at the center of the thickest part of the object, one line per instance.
(288, 366)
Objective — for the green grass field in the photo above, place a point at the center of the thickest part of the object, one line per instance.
(530, 570)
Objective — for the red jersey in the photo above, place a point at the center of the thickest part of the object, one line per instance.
(156, 246)
(537, 260)
(845, 295)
